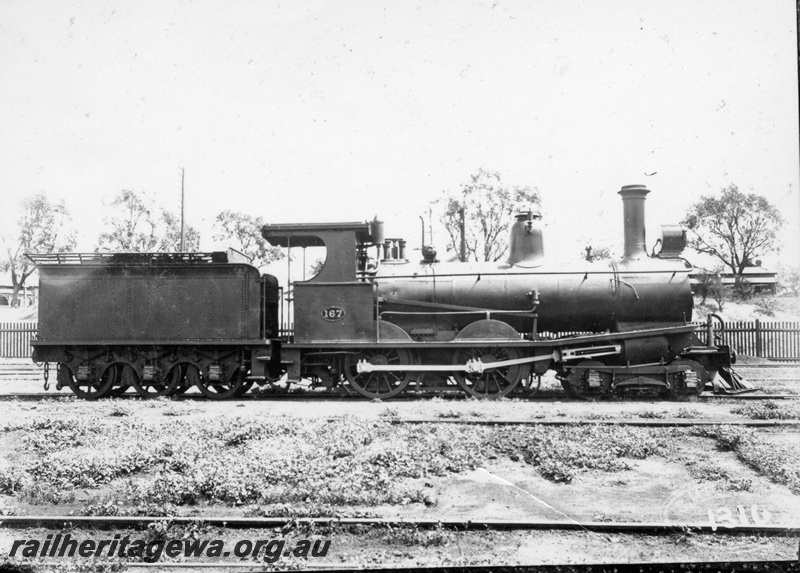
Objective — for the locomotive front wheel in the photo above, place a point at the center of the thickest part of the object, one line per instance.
(87, 389)
(159, 387)
(586, 383)
(493, 383)
(217, 389)
(689, 381)
(383, 384)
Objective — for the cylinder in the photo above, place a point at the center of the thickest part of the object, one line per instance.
(633, 198)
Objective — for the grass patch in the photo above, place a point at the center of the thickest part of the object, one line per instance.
(236, 461)
(651, 414)
(449, 414)
(177, 409)
(414, 536)
(687, 413)
(560, 453)
(775, 461)
(119, 410)
(768, 410)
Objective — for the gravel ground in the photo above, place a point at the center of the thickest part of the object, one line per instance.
(682, 478)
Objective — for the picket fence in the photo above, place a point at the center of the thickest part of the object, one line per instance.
(773, 340)
(15, 339)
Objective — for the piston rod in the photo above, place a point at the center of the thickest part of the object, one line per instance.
(477, 366)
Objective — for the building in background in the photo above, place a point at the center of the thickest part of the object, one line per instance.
(28, 296)
(763, 280)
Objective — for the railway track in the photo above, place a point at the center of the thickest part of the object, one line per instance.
(21, 371)
(238, 522)
(321, 396)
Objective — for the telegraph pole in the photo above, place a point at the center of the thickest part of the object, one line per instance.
(183, 241)
(463, 230)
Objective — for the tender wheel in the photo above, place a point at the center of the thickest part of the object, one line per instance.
(216, 389)
(119, 388)
(88, 389)
(688, 381)
(378, 384)
(184, 384)
(585, 382)
(160, 386)
(177, 383)
(493, 383)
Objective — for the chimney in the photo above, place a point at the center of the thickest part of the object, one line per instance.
(633, 197)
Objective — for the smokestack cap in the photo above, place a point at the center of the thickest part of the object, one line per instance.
(633, 191)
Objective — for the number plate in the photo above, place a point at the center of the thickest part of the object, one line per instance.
(333, 313)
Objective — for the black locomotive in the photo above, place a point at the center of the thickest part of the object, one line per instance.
(164, 322)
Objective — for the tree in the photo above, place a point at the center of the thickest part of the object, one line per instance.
(706, 283)
(139, 225)
(789, 279)
(718, 290)
(43, 227)
(243, 233)
(737, 228)
(488, 205)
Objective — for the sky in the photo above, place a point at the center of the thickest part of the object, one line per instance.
(319, 110)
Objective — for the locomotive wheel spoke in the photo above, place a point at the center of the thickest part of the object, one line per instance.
(381, 384)
(492, 383)
(88, 389)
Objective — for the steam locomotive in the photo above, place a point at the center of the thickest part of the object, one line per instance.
(164, 322)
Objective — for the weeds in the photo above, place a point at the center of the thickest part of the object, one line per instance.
(707, 471)
(390, 413)
(240, 461)
(777, 462)
(118, 509)
(414, 536)
(560, 453)
(651, 414)
(119, 410)
(767, 304)
(687, 413)
(11, 480)
(177, 409)
(449, 414)
(768, 410)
